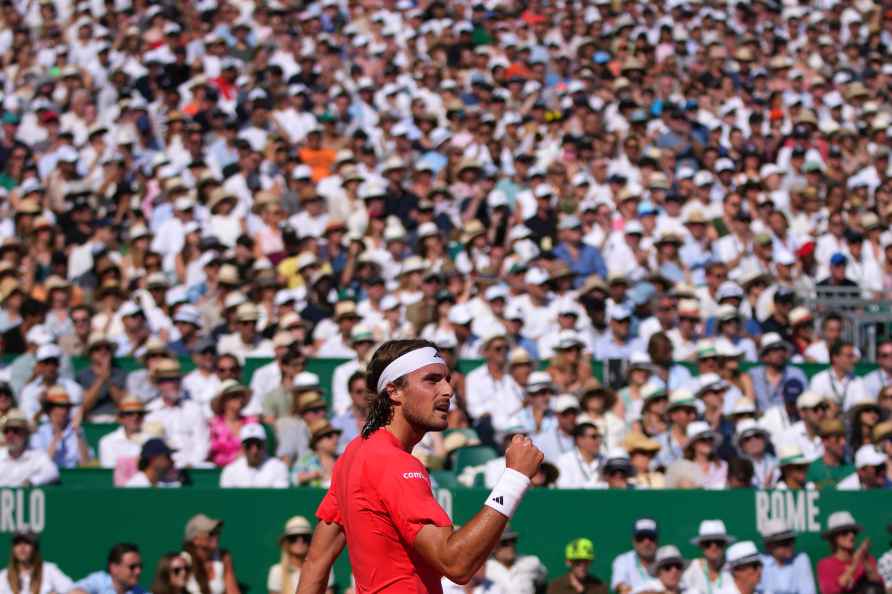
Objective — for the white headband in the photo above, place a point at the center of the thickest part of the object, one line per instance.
(407, 363)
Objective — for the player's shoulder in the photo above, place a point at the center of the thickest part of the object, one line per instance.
(384, 455)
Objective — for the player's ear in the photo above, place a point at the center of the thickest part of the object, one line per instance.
(394, 393)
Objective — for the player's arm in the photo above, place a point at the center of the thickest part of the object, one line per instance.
(458, 554)
(328, 542)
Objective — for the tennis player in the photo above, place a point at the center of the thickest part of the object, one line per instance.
(380, 503)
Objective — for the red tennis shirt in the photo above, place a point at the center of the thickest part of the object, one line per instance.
(381, 496)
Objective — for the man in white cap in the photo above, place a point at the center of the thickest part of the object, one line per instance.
(784, 570)
(632, 569)
(870, 471)
(537, 416)
(254, 469)
(246, 341)
(668, 568)
(46, 374)
(708, 573)
(618, 343)
(745, 565)
(22, 466)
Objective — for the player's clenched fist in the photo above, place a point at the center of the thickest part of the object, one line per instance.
(523, 456)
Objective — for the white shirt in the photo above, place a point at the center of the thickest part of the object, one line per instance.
(32, 393)
(846, 391)
(233, 344)
(202, 389)
(117, 445)
(265, 380)
(695, 577)
(185, 429)
(521, 578)
(340, 391)
(628, 569)
(33, 466)
(850, 483)
(51, 580)
(274, 578)
(335, 347)
(576, 473)
(272, 473)
(486, 395)
(141, 481)
(811, 447)
(486, 587)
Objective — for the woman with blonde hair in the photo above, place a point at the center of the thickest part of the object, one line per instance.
(172, 574)
(28, 573)
(294, 543)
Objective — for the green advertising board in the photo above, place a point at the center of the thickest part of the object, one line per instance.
(79, 525)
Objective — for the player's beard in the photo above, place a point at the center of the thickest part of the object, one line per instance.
(424, 420)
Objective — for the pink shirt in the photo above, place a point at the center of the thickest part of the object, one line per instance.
(225, 446)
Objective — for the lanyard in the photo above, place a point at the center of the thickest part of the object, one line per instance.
(583, 468)
(640, 568)
(718, 582)
(840, 397)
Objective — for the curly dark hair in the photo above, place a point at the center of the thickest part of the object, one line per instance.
(380, 405)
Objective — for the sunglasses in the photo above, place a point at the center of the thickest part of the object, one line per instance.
(643, 537)
(227, 369)
(134, 566)
(293, 538)
(708, 544)
(672, 566)
(179, 570)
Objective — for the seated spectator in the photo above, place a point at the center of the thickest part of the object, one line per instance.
(740, 384)
(708, 574)
(642, 451)
(745, 565)
(213, 571)
(776, 382)
(752, 443)
(560, 440)
(870, 471)
(228, 421)
(246, 341)
(46, 374)
(848, 568)
(512, 572)
(362, 343)
(156, 467)
(633, 568)
(839, 382)
(702, 449)
(832, 326)
(652, 422)
(202, 383)
(682, 411)
(630, 398)
(314, 468)
(288, 370)
(832, 466)
(579, 555)
(597, 408)
(253, 469)
(124, 568)
(863, 417)
(710, 390)
(141, 382)
(783, 569)
(741, 474)
(537, 416)
(103, 381)
(28, 571)
(797, 421)
(60, 436)
(882, 438)
(668, 568)
(884, 565)
(185, 429)
(280, 402)
(580, 468)
(665, 371)
(293, 431)
(7, 403)
(173, 574)
(351, 421)
(875, 381)
(617, 470)
(23, 467)
(126, 441)
(793, 468)
(294, 543)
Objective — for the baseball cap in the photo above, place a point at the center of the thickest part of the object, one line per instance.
(252, 431)
(580, 549)
(565, 402)
(155, 447)
(838, 259)
(643, 526)
(201, 524)
(867, 455)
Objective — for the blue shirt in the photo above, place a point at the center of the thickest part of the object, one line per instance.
(793, 577)
(346, 422)
(791, 385)
(66, 455)
(100, 582)
(589, 261)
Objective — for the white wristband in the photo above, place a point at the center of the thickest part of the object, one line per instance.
(508, 492)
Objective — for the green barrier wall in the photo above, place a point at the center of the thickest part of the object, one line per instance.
(92, 519)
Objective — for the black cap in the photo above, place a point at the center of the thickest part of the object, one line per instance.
(155, 447)
(784, 294)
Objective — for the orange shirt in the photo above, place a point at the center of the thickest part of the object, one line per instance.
(320, 161)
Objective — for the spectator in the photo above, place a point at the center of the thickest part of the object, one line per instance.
(848, 568)
(740, 474)
(202, 383)
(558, 441)
(884, 565)
(879, 378)
(213, 570)
(666, 372)
(27, 571)
(172, 574)
(23, 467)
(642, 451)
(579, 555)
(7, 403)
(103, 381)
(631, 397)
(775, 381)
(280, 402)
(702, 449)
(246, 341)
(294, 544)
(832, 466)
(752, 442)
(839, 383)
(61, 436)
(668, 568)
(783, 569)
(616, 470)
(882, 438)
(512, 572)
(863, 417)
(618, 343)
(597, 408)
(351, 421)
(793, 467)
(870, 471)
(293, 431)
(653, 411)
(745, 565)
(183, 422)
(124, 569)
(711, 391)
(682, 411)
(141, 382)
(493, 396)
(46, 374)
(580, 467)
(797, 420)
(253, 469)
(708, 574)
(125, 442)
(362, 342)
(156, 467)
(228, 421)
(633, 568)
(314, 468)
(831, 331)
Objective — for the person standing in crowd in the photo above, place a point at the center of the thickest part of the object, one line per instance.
(513, 572)
(579, 554)
(22, 466)
(848, 568)
(294, 544)
(254, 469)
(172, 574)
(633, 568)
(682, 411)
(708, 574)
(493, 396)
(123, 570)
(783, 569)
(213, 570)
(28, 572)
